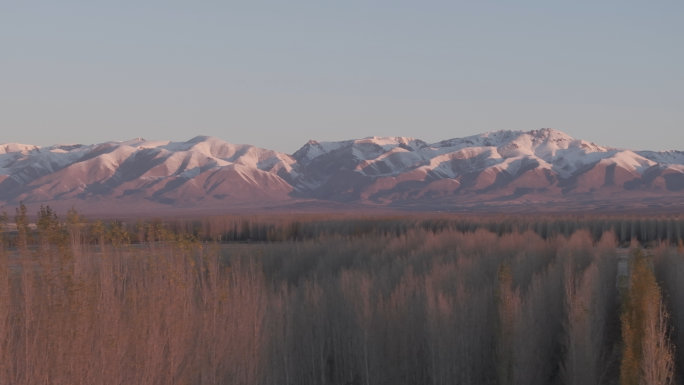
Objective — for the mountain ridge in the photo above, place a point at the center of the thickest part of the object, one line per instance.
(501, 169)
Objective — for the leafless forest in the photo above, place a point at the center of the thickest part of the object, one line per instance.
(298, 300)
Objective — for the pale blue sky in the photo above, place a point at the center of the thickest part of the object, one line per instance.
(276, 74)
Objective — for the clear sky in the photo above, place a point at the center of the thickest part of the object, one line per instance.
(278, 73)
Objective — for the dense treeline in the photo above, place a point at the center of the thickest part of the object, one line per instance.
(346, 301)
(644, 229)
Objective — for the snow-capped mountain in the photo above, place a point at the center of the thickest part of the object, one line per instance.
(495, 168)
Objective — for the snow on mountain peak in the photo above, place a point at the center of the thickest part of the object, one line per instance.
(313, 149)
(389, 139)
(6, 148)
(549, 134)
(202, 138)
(65, 147)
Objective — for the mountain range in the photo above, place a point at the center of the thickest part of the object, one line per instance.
(496, 171)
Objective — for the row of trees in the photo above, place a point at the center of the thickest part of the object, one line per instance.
(648, 356)
(46, 228)
(644, 229)
(647, 230)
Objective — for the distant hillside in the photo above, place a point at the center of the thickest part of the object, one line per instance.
(504, 170)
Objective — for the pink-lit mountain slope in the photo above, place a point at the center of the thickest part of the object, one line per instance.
(201, 169)
(496, 169)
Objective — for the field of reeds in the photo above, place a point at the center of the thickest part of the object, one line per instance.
(298, 300)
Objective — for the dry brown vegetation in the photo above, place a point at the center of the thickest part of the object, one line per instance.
(347, 300)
